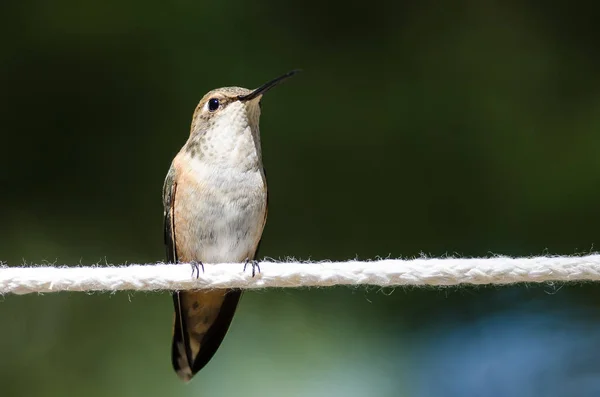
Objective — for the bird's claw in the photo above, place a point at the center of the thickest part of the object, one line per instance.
(196, 268)
(254, 264)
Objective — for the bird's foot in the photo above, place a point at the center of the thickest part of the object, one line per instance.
(196, 268)
(254, 264)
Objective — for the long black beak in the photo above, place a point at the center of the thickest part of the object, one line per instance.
(266, 87)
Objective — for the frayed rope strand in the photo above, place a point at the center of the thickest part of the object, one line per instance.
(291, 274)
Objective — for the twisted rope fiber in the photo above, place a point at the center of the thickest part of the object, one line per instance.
(384, 273)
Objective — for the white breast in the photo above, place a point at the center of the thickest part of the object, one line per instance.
(221, 210)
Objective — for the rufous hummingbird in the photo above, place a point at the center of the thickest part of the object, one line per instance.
(215, 209)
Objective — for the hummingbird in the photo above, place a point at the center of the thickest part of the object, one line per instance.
(215, 208)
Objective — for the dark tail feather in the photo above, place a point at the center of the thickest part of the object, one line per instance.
(184, 363)
(180, 351)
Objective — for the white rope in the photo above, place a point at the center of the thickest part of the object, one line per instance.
(384, 273)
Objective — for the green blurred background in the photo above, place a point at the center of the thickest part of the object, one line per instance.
(467, 128)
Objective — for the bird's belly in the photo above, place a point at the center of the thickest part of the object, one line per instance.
(220, 221)
(228, 233)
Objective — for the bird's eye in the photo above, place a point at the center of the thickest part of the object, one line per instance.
(213, 104)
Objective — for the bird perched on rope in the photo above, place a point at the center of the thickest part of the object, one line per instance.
(215, 209)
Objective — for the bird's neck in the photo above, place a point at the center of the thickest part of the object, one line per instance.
(227, 148)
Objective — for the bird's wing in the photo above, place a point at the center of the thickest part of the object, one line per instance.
(180, 338)
(169, 192)
(266, 213)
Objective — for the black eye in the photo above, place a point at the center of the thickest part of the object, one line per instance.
(213, 104)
